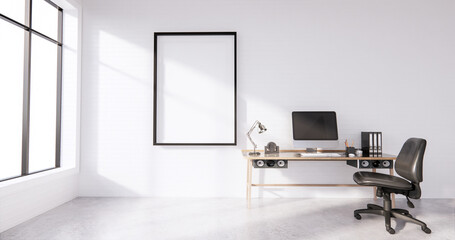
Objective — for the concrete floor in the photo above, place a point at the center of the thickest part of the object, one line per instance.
(151, 218)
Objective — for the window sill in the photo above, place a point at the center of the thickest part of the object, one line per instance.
(38, 177)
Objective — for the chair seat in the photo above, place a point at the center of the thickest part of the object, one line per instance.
(381, 180)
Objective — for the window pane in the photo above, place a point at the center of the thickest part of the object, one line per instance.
(45, 18)
(14, 9)
(43, 104)
(11, 92)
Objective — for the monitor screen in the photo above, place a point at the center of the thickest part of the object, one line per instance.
(314, 126)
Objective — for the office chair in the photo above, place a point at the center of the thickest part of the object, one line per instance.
(408, 165)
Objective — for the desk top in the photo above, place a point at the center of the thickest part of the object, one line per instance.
(295, 155)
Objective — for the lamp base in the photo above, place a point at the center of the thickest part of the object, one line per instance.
(254, 153)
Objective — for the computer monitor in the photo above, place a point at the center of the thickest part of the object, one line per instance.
(314, 126)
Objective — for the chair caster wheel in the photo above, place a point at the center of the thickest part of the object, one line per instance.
(357, 216)
(391, 231)
(426, 230)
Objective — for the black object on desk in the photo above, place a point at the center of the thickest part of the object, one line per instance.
(371, 144)
(351, 150)
(315, 125)
(271, 147)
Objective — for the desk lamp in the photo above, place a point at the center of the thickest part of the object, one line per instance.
(261, 130)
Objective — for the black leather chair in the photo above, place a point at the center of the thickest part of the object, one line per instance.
(408, 165)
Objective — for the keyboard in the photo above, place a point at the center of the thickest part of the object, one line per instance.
(320, 155)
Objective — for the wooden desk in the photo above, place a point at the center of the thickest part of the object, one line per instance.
(293, 155)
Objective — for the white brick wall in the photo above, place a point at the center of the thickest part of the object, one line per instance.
(381, 65)
(25, 200)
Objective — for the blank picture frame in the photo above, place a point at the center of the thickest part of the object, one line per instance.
(195, 88)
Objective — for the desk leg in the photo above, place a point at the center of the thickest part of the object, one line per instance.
(248, 181)
(393, 194)
(374, 188)
(247, 177)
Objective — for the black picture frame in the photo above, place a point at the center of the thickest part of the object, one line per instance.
(156, 140)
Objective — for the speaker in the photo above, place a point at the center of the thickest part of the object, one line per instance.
(376, 164)
(270, 163)
(386, 163)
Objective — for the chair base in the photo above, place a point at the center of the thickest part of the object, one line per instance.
(389, 213)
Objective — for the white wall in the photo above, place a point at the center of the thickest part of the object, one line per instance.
(381, 65)
(42, 192)
(26, 197)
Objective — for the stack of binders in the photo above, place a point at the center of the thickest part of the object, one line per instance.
(372, 144)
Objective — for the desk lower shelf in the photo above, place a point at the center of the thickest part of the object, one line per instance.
(290, 155)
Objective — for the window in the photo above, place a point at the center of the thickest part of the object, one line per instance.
(30, 86)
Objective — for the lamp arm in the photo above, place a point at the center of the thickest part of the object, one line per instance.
(249, 133)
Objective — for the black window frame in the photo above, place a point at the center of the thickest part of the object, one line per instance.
(28, 31)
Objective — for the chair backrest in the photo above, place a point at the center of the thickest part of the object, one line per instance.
(410, 160)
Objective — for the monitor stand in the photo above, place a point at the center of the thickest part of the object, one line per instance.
(311, 150)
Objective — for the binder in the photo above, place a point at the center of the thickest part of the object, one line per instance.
(375, 144)
(365, 141)
(371, 154)
(371, 144)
